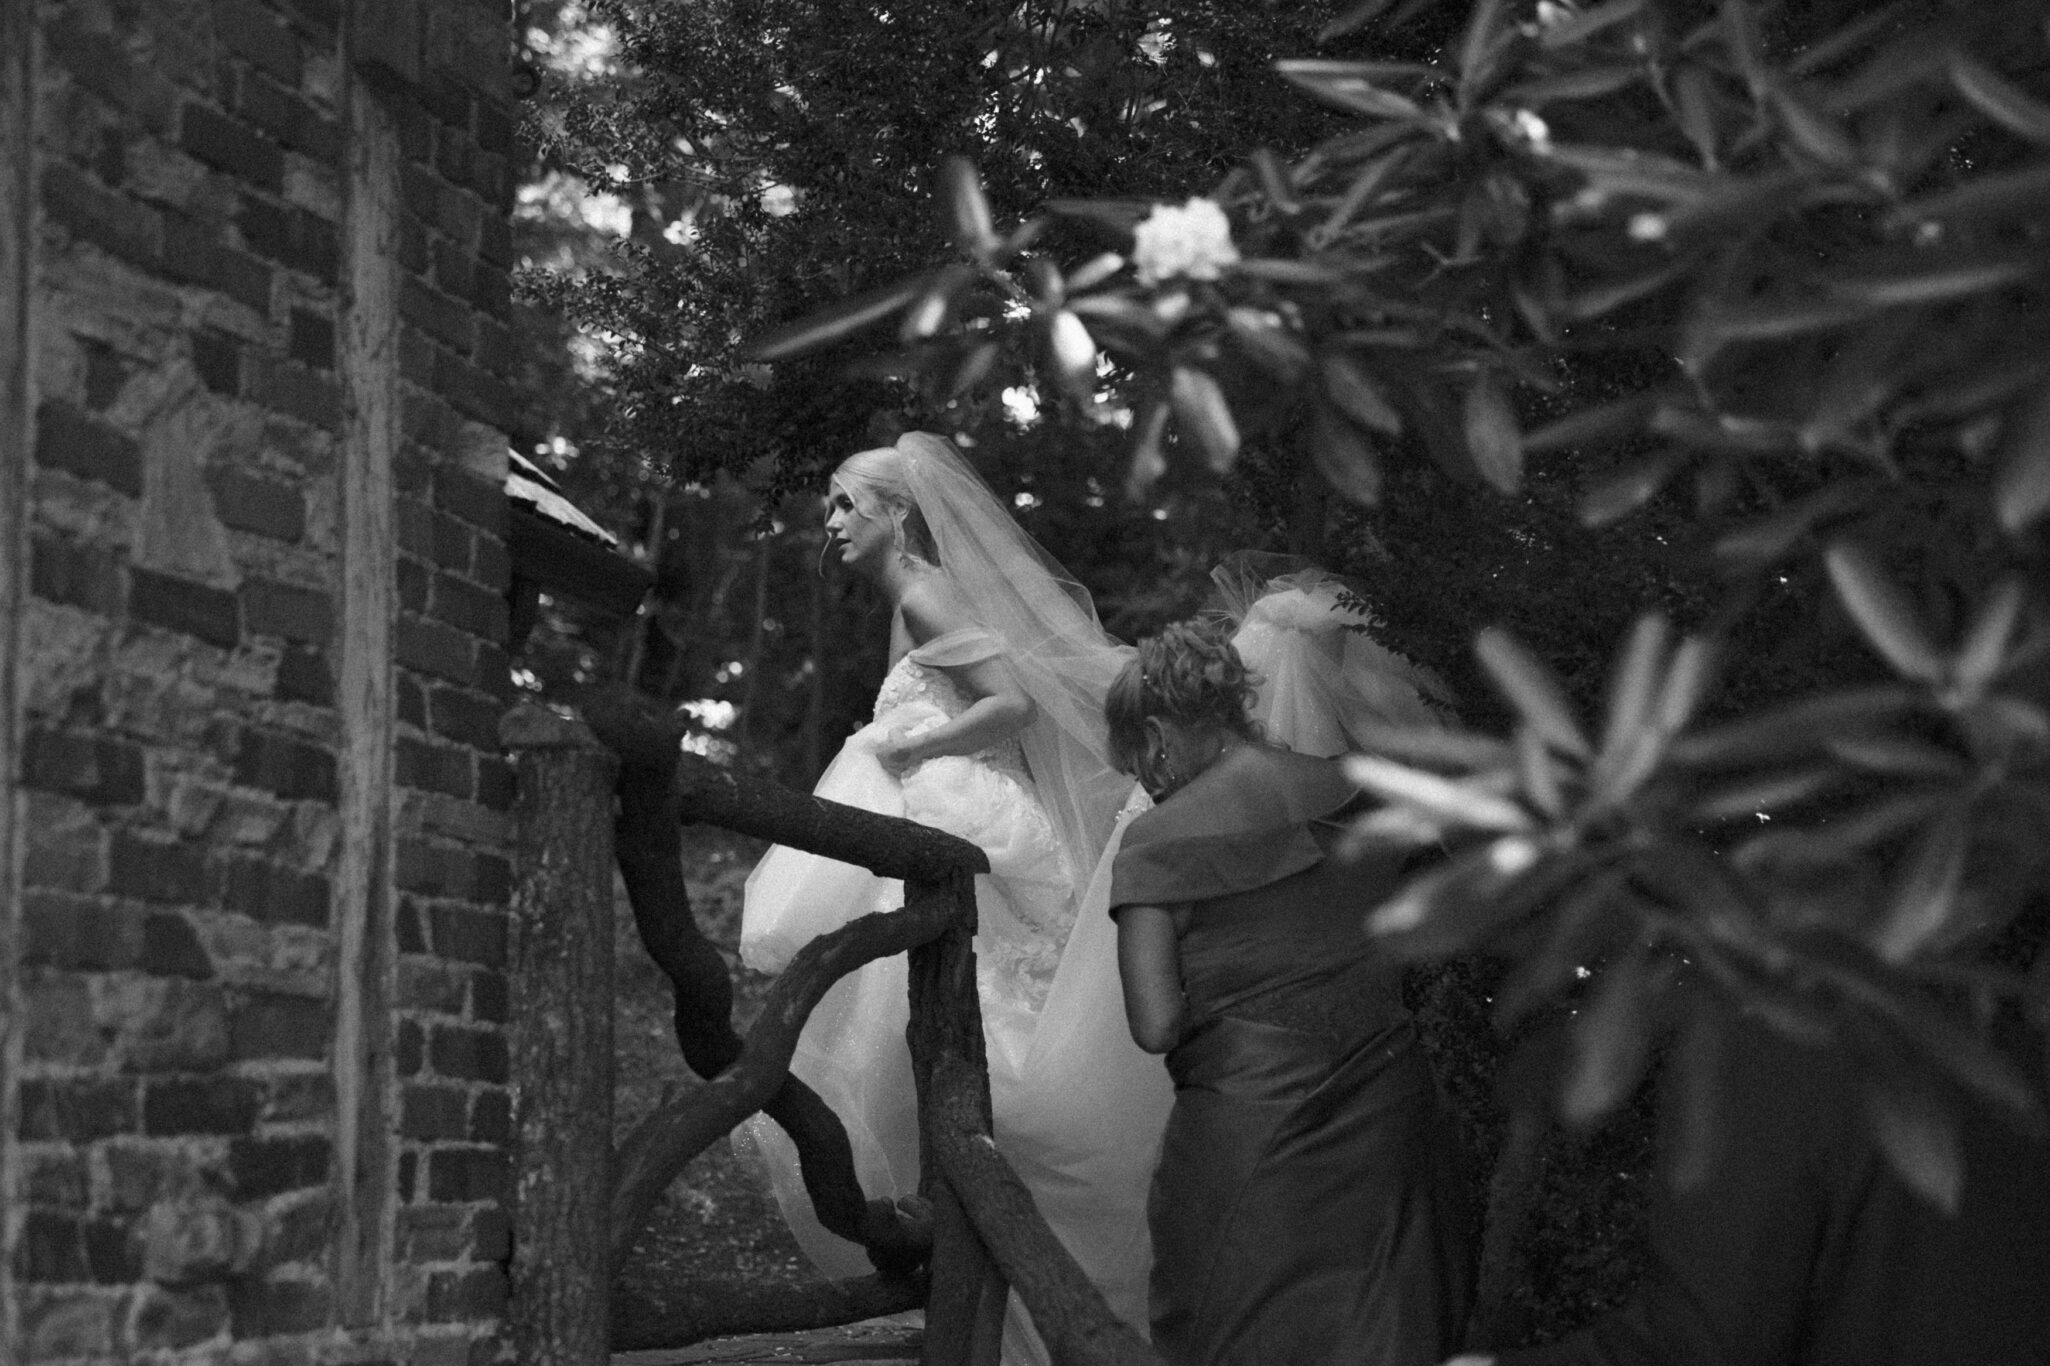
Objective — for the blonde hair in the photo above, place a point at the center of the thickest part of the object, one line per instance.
(875, 482)
(1189, 673)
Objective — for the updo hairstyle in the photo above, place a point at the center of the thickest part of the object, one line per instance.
(875, 483)
(1190, 673)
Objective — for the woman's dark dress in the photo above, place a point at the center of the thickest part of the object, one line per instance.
(1310, 1204)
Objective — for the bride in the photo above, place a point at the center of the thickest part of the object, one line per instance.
(989, 725)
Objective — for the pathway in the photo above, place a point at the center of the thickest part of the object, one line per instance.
(879, 1342)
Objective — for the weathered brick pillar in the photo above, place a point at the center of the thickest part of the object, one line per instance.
(17, 406)
(562, 1039)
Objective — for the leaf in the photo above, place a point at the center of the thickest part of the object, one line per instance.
(929, 314)
(1761, 795)
(1344, 458)
(1813, 131)
(1148, 461)
(1694, 103)
(1797, 727)
(2006, 196)
(1596, 426)
(835, 322)
(1533, 691)
(1611, 1040)
(1740, 32)
(1937, 285)
(1457, 803)
(1918, 1135)
(974, 230)
(1073, 350)
(1897, 755)
(1925, 893)
(1354, 19)
(1634, 684)
(974, 367)
(1882, 612)
(1365, 185)
(1267, 343)
(1349, 86)
(1432, 745)
(1622, 493)
(1686, 683)
(2000, 99)
(1766, 540)
(2021, 484)
(1576, 85)
(1984, 649)
(1580, 27)
(1348, 385)
(1119, 214)
(1492, 437)
(1095, 271)
(1697, 1093)
(1201, 409)
(1289, 272)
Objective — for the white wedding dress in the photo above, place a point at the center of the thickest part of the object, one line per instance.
(1078, 1107)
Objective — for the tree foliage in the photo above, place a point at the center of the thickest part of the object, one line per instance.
(1766, 286)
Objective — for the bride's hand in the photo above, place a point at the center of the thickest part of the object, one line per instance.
(897, 753)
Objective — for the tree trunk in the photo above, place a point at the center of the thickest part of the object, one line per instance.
(561, 980)
(711, 1309)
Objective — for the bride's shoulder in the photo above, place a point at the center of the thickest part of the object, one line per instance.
(933, 605)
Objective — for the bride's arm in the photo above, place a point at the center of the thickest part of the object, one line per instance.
(998, 708)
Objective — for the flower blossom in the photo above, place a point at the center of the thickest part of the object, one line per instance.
(1192, 241)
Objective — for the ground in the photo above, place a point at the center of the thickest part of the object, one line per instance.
(717, 1221)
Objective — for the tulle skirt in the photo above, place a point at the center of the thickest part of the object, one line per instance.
(1078, 1107)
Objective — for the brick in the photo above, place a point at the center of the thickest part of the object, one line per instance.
(266, 507)
(79, 1323)
(413, 581)
(434, 1233)
(410, 926)
(475, 392)
(416, 255)
(59, 1178)
(416, 131)
(491, 176)
(75, 575)
(291, 236)
(411, 1049)
(200, 1105)
(408, 1184)
(263, 1167)
(72, 440)
(492, 291)
(77, 1110)
(109, 1252)
(469, 1054)
(455, 543)
(98, 62)
(230, 145)
(169, 871)
(171, 947)
(108, 219)
(433, 648)
(293, 122)
(491, 1117)
(217, 356)
(465, 717)
(469, 936)
(273, 1308)
(299, 1098)
(489, 999)
(460, 1175)
(299, 1232)
(412, 700)
(476, 1293)
(303, 676)
(491, 1235)
(294, 769)
(78, 933)
(455, 272)
(431, 768)
(416, 527)
(493, 882)
(430, 1114)
(98, 769)
(193, 609)
(442, 317)
(495, 242)
(473, 610)
(428, 986)
(271, 1024)
(193, 253)
(256, 34)
(167, 1319)
(270, 608)
(310, 396)
(446, 99)
(320, 18)
(313, 340)
(496, 351)
(51, 1248)
(480, 502)
(106, 373)
(163, 1024)
(428, 421)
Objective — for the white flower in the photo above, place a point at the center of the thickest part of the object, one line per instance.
(1192, 241)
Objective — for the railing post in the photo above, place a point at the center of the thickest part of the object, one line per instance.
(964, 1314)
(562, 1039)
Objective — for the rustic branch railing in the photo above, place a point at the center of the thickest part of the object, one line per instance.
(975, 1228)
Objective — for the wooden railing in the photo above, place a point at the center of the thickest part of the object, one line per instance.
(974, 1230)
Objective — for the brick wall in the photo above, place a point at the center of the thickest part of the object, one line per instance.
(184, 757)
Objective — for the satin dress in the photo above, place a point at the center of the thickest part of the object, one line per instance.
(1311, 1202)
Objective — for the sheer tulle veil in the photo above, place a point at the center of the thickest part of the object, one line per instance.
(1059, 650)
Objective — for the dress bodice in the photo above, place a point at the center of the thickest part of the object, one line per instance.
(912, 686)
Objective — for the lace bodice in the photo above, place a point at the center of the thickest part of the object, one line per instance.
(910, 683)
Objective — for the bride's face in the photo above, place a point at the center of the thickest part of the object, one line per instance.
(864, 539)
